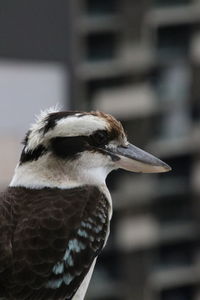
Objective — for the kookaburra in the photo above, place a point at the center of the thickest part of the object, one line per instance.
(55, 214)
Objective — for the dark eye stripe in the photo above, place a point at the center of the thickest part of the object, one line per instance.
(69, 147)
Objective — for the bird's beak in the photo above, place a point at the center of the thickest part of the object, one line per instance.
(134, 159)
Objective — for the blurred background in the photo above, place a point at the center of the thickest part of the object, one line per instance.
(140, 61)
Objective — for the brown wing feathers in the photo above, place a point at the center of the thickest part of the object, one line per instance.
(54, 236)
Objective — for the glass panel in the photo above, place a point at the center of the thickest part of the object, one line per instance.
(171, 2)
(98, 7)
(173, 210)
(175, 255)
(101, 46)
(173, 41)
(182, 293)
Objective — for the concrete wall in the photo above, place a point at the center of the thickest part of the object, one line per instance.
(25, 89)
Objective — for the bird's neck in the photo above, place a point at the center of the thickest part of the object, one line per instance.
(52, 173)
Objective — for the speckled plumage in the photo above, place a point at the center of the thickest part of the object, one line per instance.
(44, 245)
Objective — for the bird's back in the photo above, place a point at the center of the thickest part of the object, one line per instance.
(49, 239)
(5, 242)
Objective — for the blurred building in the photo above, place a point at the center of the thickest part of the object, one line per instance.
(34, 73)
(139, 60)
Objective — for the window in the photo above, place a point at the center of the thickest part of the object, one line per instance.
(98, 7)
(181, 293)
(180, 254)
(101, 46)
(173, 210)
(173, 41)
(171, 2)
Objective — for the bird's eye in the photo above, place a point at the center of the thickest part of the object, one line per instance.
(99, 138)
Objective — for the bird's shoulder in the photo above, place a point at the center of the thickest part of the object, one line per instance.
(5, 240)
(53, 204)
(5, 224)
(57, 235)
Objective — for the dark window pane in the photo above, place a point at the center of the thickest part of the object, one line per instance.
(175, 255)
(171, 2)
(173, 41)
(101, 46)
(172, 209)
(182, 293)
(97, 7)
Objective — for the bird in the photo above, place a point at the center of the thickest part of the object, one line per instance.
(55, 214)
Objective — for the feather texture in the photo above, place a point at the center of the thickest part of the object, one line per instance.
(49, 239)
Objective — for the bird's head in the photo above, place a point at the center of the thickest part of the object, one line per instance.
(66, 148)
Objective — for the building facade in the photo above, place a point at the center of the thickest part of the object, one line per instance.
(141, 62)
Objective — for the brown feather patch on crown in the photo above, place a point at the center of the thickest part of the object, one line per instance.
(115, 127)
